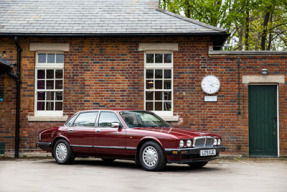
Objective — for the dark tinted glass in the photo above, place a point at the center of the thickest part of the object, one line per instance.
(149, 95)
(167, 73)
(158, 58)
(158, 73)
(50, 74)
(167, 58)
(149, 73)
(59, 74)
(41, 74)
(149, 58)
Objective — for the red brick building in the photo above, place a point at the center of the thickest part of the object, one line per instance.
(127, 54)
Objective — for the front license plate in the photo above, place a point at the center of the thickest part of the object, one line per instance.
(209, 152)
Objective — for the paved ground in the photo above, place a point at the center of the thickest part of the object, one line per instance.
(124, 176)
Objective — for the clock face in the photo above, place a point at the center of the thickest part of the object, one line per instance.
(210, 84)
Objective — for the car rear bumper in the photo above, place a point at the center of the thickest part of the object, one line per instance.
(46, 146)
(189, 155)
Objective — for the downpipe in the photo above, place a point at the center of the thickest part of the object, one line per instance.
(18, 97)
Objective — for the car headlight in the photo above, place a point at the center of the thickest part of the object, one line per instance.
(215, 142)
(219, 142)
(181, 143)
(188, 143)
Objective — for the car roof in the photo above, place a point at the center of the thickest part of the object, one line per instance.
(116, 110)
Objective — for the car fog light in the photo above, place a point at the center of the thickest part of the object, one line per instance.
(181, 143)
(215, 142)
(218, 142)
(188, 143)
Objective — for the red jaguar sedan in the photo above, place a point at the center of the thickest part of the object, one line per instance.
(129, 134)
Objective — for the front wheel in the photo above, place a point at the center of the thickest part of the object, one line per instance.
(152, 157)
(197, 164)
(62, 152)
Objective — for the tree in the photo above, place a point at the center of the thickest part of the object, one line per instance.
(257, 24)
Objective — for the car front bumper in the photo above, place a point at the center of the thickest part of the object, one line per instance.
(189, 155)
(46, 146)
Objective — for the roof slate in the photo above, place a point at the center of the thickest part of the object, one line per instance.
(95, 17)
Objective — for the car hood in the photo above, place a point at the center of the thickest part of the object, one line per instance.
(178, 132)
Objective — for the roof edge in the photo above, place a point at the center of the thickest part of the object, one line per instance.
(191, 20)
(8, 34)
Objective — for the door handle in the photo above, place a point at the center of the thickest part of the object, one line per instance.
(70, 129)
(98, 130)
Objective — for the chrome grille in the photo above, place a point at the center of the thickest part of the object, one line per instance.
(203, 142)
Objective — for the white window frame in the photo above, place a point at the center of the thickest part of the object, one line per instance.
(159, 66)
(47, 66)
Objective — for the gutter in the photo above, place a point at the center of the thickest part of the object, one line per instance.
(3, 34)
(218, 38)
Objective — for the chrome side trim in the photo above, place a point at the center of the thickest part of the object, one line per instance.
(104, 147)
(84, 146)
(131, 148)
(108, 147)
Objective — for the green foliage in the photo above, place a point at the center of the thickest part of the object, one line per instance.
(257, 24)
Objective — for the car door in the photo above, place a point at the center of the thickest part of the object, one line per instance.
(109, 141)
(81, 133)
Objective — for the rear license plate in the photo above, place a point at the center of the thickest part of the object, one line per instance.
(209, 152)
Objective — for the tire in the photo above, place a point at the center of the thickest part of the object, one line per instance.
(152, 157)
(63, 153)
(197, 165)
(108, 160)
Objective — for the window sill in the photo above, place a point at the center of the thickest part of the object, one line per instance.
(47, 118)
(170, 118)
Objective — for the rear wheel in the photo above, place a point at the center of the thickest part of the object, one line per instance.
(62, 152)
(197, 164)
(151, 156)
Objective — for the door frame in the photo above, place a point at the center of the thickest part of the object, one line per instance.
(277, 98)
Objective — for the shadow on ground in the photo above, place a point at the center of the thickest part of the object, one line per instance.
(131, 165)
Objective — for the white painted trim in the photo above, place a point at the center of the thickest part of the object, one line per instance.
(170, 118)
(163, 66)
(246, 79)
(158, 46)
(47, 66)
(47, 118)
(49, 47)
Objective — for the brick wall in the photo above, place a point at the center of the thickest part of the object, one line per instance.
(8, 106)
(109, 73)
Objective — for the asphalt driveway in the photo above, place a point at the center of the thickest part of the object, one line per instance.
(93, 175)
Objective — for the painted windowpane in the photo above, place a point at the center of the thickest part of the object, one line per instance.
(51, 58)
(42, 58)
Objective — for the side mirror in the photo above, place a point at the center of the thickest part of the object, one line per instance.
(115, 125)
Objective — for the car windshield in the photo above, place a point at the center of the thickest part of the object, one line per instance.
(142, 119)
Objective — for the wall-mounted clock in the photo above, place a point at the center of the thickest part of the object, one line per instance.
(210, 84)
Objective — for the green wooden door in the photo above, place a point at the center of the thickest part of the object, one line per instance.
(263, 120)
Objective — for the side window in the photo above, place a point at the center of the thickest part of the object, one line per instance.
(71, 120)
(86, 119)
(107, 118)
